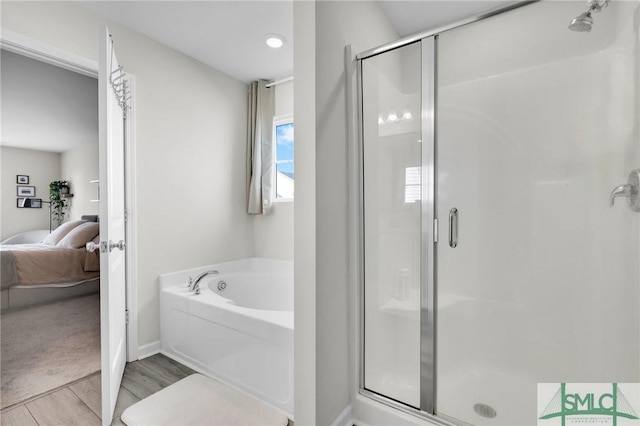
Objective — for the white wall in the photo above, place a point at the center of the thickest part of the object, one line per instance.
(304, 348)
(190, 147)
(45, 107)
(322, 30)
(284, 98)
(362, 25)
(78, 166)
(273, 232)
(41, 167)
(49, 110)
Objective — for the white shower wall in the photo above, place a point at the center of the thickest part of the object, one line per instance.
(536, 125)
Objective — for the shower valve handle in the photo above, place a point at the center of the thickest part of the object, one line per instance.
(630, 190)
(619, 191)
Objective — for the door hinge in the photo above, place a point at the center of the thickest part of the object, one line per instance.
(126, 316)
(435, 230)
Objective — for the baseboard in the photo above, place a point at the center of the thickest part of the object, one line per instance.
(149, 349)
(220, 379)
(345, 418)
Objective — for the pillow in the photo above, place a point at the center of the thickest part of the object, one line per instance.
(61, 231)
(80, 235)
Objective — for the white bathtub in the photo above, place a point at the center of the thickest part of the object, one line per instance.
(242, 335)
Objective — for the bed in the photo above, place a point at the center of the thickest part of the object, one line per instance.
(55, 268)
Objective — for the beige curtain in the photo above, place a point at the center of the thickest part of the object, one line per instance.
(260, 148)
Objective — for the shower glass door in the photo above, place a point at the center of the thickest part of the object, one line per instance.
(392, 188)
(536, 125)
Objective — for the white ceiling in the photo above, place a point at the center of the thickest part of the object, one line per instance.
(227, 35)
(45, 107)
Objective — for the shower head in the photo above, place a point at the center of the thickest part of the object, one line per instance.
(584, 22)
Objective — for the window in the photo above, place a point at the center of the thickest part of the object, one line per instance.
(283, 157)
(412, 184)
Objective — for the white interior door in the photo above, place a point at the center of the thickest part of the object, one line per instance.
(112, 229)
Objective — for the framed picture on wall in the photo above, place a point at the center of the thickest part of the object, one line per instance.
(26, 191)
(29, 203)
(22, 179)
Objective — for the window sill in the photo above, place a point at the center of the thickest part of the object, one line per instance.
(282, 200)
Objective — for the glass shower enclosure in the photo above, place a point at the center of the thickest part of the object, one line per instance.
(500, 233)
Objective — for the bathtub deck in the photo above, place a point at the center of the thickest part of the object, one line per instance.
(79, 402)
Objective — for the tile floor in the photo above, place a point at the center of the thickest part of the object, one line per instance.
(79, 403)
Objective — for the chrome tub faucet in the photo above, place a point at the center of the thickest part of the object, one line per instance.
(194, 283)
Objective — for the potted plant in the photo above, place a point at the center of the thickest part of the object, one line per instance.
(57, 189)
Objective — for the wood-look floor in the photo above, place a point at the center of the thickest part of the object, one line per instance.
(79, 403)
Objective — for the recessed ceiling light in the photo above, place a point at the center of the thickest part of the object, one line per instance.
(274, 41)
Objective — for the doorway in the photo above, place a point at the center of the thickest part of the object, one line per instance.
(21, 45)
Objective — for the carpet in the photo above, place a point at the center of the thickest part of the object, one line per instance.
(198, 400)
(49, 346)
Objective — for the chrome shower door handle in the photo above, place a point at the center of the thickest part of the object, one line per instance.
(630, 190)
(453, 227)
